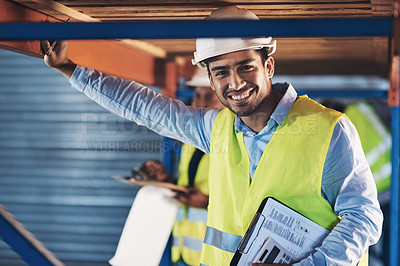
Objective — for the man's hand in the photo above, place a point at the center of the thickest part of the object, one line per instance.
(192, 198)
(156, 171)
(55, 56)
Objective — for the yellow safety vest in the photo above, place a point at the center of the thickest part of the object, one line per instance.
(376, 141)
(290, 170)
(191, 223)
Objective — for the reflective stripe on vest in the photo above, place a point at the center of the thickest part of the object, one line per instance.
(194, 215)
(175, 241)
(222, 240)
(197, 215)
(180, 215)
(188, 242)
(192, 243)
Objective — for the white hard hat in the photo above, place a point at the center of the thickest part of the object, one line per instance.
(199, 79)
(210, 47)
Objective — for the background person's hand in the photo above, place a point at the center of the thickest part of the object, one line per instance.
(192, 198)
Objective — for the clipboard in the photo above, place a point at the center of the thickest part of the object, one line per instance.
(291, 232)
(141, 183)
(147, 228)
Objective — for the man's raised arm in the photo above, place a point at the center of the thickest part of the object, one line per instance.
(133, 101)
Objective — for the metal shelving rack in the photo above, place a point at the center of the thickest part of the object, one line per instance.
(364, 27)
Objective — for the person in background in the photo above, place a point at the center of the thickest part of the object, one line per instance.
(371, 120)
(191, 222)
(267, 142)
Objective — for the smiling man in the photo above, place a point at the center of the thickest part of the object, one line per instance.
(242, 83)
(268, 142)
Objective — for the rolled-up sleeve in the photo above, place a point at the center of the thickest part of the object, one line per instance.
(138, 103)
(348, 185)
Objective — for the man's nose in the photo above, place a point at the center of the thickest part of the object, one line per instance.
(235, 81)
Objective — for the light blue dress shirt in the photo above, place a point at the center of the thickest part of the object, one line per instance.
(347, 182)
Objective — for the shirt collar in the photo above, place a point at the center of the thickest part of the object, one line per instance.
(280, 112)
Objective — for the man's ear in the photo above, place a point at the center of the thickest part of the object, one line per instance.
(269, 67)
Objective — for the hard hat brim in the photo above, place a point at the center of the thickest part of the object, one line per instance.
(201, 56)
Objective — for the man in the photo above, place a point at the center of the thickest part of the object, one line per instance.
(267, 142)
(191, 223)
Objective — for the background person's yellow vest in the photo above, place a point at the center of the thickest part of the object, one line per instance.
(290, 170)
(375, 139)
(190, 226)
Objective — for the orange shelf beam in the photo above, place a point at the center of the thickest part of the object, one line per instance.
(108, 56)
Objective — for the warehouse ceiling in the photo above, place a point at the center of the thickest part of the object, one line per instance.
(294, 56)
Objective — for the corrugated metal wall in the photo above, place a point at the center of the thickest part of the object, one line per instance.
(58, 151)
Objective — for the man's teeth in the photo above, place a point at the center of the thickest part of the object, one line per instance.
(240, 97)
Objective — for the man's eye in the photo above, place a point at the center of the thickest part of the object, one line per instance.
(246, 67)
(221, 73)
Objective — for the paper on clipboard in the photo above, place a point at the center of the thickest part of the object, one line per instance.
(296, 233)
(147, 228)
(141, 183)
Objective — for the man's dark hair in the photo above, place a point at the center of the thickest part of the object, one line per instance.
(263, 52)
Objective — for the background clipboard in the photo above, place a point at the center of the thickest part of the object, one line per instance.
(297, 234)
